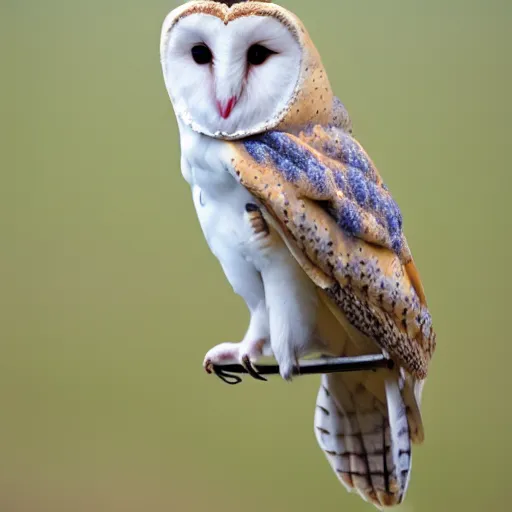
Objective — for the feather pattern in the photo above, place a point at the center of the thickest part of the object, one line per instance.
(326, 199)
(366, 441)
(347, 228)
(330, 165)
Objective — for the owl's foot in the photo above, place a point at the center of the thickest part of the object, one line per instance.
(243, 353)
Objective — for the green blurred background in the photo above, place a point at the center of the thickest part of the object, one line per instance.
(109, 296)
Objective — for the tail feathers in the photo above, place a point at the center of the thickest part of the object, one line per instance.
(367, 441)
(411, 394)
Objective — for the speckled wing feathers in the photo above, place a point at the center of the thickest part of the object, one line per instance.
(328, 164)
(333, 207)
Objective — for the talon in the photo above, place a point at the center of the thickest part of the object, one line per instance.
(246, 362)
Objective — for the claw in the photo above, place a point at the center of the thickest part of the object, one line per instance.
(247, 364)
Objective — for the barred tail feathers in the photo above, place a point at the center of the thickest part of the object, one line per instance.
(365, 435)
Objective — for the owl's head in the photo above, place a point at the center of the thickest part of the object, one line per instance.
(233, 69)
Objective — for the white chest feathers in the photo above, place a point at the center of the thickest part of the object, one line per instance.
(220, 201)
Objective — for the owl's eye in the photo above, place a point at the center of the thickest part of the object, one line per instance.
(201, 54)
(258, 54)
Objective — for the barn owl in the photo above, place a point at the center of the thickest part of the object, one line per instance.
(304, 228)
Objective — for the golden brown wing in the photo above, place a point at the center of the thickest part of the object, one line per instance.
(345, 229)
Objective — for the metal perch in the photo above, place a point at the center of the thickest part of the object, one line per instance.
(309, 367)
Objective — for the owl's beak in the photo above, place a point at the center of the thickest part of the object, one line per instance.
(225, 107)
